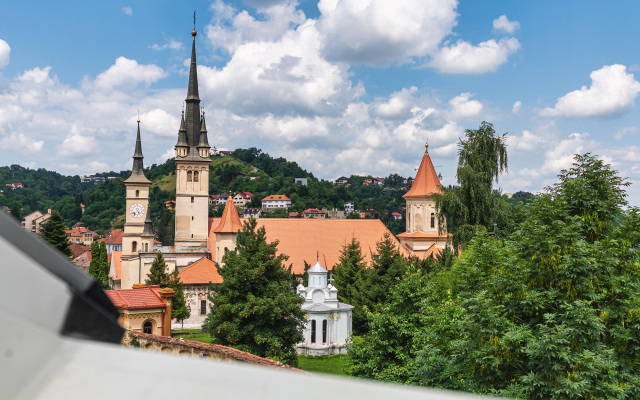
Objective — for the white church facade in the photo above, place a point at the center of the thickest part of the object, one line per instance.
(328, 324)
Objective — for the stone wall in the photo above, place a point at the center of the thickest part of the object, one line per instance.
(191, 348)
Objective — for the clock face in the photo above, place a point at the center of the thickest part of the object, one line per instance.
(136, 210)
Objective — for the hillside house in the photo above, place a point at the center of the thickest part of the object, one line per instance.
(276, 201)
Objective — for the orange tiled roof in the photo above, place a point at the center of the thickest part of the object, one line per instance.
(275, 197)
(116, 262)
(312, 211)
(426, 182)
(201, 272)
(422, 235)
(116, 237)
(230, 221)
(434, 250)
(78, 250)
(321, 240)
(75, 232)
(135, 299)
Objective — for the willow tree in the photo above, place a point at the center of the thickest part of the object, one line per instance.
(482, 157)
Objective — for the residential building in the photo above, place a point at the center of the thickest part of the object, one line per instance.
(349, 207)
(242, 198)
(113, 240)
(301, 181)
(328, 324)
(92, 178)
(252, 212)
(16, 185)
(276, 201)
(341, 181)
(143, 308)
(313, 213)
(32, 222)
(378, 181)
(396, 215)
(81, 235)
(335, 214)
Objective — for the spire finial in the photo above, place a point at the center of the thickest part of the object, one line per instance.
(194, 33)
(138, 116)
(426, 146)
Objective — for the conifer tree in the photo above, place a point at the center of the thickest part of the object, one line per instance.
(387, 267)
(347, 278)
(158, 272)
(179, 309)
(99, 266)
(15, 211)
(53, 232)
(255, 308)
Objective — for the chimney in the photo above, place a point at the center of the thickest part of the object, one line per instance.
(166, 295)
(49, 211)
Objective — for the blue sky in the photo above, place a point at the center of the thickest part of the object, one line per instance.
(340, 86)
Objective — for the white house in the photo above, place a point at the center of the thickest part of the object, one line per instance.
(328, 323)
(349, 207)
(276, 201)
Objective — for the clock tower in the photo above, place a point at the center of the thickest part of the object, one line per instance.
(135, 238)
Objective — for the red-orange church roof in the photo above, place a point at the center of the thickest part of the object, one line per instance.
(426, 182)
(230, 221)
(201, 272)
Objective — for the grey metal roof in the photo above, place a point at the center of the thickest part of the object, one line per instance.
(137, 172)
(317, 267)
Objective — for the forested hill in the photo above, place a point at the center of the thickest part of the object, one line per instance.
(248, 170)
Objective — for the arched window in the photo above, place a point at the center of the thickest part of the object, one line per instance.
(226, 250)
(134, 247)
(196, 176)
(147, 327)
(146, 247)
(313, 331)
(189, 176)
(324, 331)
(433, 220)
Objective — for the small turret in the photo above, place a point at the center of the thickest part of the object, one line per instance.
(182, 147)
(203, 146)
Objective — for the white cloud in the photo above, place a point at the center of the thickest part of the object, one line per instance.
(527, 142)
(462, 107)
(127, 11)
(127, 74)
(612, 93)
(232, 29)
(170, 44)
(75, 145)
(159, 122)
(399, 103)
(502, 23)
(381, 32)
(21, 143)
(284, 77)
(465, 58)
(292, 130)
(625, 131)
(5, 49)
(516, 107)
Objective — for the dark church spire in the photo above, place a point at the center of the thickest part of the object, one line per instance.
(137, 172)
(148, 226)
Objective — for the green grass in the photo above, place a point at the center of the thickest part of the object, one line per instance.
(192, 334)
(333, 365)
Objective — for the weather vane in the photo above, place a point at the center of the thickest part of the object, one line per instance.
(194, 20)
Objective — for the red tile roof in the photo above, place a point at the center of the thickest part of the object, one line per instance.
(79, 232)
(116, 237)
(201, 272)
(426, 182)
(275, 197)
(230, 222)
(116, 261)
(136, 299)
(321, 240)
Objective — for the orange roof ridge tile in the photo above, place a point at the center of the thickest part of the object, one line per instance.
(426, 182)
(230, 222)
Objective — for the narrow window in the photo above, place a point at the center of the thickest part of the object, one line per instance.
(146, 247)
(203, 307)
(433, 220)
(189, 176)
(134, 247)
(313, 331)
(226, 250)
(137, 193)
(324, 331)
(147, 327)
(192, 199)
(196, 176)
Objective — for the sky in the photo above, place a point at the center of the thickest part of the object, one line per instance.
(340, 86)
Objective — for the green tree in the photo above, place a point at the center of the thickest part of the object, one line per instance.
(551, 314)
(387, 267)
(179, 309)
(99, 265)
(482, 157)
(348, 275)
(158, 272)
(255, 308)
(15, 211)
(53, 232)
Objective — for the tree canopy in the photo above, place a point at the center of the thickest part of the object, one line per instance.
(255, 308)
(52, 231)
(99, 265)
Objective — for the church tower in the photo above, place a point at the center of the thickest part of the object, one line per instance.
(136, 238)
(192, 168)
(422, 219)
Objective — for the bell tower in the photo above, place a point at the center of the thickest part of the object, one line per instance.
(192, 168)
(137, 203)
